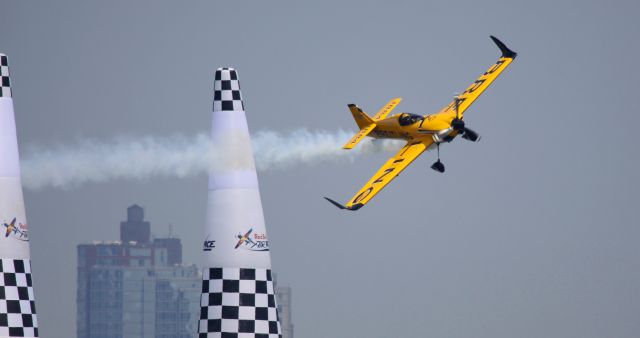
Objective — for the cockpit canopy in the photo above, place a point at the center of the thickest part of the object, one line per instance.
(406, 119)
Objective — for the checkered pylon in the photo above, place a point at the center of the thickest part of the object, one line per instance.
(5, 86)
(238, 303)
(226, 91)
(17, 306)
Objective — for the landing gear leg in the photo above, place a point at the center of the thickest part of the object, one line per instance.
(438, 166)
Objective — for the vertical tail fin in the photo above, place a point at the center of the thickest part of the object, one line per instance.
(363, 121)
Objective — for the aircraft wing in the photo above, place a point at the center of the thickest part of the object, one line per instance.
(482, 83)
(384, 111)
(386, 173)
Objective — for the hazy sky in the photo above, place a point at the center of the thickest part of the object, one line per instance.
(530, 233)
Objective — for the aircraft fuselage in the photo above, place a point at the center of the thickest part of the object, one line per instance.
(409, 126)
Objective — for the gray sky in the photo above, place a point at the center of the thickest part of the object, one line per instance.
(530, 233)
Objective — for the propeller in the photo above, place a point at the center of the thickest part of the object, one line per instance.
(458, 124)
(470, 135)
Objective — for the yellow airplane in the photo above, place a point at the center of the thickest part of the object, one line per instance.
(244, 238)
(420, 132)
(11, 227)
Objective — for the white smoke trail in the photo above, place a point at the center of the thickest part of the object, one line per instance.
(144, 158)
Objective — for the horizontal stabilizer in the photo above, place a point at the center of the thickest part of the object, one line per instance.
(384, 111)
(359, 136)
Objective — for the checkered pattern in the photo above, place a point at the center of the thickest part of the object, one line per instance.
(226, 91)
(5, 87)
(238, 303)
(17, 306)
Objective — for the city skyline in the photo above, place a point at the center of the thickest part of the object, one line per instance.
(136, 286)
(114, 277)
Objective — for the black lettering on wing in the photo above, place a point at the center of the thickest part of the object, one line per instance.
(362, 195)
(495, 67)
(475, 86)
(386, 172)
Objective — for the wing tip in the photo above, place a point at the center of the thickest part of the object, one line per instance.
(356, 206)
(340, 206)
(506, 52)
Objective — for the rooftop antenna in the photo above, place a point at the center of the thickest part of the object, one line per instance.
(170, 230)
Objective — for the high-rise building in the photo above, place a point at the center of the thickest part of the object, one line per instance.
(135, 229)
(135, 287)
(174, 249)
(283, 296)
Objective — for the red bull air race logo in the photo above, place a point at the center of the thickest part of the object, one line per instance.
(248, 241)
(16, 230)
(252, 241)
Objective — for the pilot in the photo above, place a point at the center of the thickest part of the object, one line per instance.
(406, 119)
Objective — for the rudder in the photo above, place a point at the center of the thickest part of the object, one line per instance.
(361, 118)
(363, 121)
